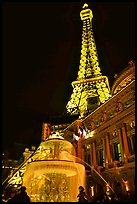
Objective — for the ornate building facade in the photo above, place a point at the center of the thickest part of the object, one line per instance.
(104, 132)
(108, 144)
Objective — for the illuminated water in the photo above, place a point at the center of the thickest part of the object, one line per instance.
(54, 175)
(97, 174)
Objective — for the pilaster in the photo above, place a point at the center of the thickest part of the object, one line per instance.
(104, 148)
(121, 144)
(125, 142)
(91, 154)
(94, 155)
(109, 158)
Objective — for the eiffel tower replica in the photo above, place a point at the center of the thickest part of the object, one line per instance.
(90, 89)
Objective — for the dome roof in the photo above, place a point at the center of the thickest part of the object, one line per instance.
(124, 78)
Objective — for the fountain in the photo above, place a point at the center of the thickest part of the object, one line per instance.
(53, 175)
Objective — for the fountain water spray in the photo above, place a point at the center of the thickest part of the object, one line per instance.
(54, 175)
(97, 173)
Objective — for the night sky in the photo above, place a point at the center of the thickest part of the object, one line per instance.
(41, 55)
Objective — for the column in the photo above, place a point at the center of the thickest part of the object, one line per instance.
(113, 151)
(94, 155)
(132, 145)
(125, 142)
(109, 158)
(104, 148)
(91, 154)
(121, 144)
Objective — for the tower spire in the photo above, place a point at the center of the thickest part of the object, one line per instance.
(89, 65)
(91, 88)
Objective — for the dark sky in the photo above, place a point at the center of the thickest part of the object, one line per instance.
(41, 54)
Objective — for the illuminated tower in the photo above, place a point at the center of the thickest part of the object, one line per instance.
(91, 89)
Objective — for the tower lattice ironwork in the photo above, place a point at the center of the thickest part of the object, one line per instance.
(90, 88)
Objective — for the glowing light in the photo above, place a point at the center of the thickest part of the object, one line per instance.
(88, 146)
(126, 185)
(92, 191)
(57, 177)
(90, 81)
(132, 124)
(107, 187)
(55, 135)
(40, 148)
(89, 134)
(85, 5)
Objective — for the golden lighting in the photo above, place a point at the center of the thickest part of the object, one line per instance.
(54, 175)
(90, 82)
(107, 187)
(89, 134)
(126, 185)
(85, 5)
(91, 191)
(88, 146)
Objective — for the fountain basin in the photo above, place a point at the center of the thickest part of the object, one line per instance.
(53, 181)
(53, 175)
(38, 168)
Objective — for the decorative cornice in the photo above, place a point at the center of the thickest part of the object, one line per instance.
(125, 77)
(110, 103)
(116, 120)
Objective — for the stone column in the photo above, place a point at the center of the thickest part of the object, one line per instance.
(113, 151)
(94, 155)
(121, 144)
(125, 142)
(109, 158)
(91, 154)
(104, 148)
(132, 145)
